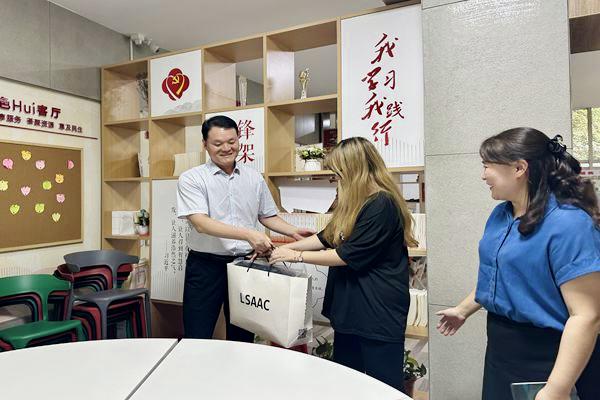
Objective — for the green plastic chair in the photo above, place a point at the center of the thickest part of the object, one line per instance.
(42, 285)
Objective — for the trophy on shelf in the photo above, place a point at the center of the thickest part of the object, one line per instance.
(303, 77)
(243, 86)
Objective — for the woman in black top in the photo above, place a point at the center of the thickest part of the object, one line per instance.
(366, 298)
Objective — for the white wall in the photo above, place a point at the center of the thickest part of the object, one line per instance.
(85, 113)
(585, 79)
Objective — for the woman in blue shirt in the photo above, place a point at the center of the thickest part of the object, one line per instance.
(539, 271)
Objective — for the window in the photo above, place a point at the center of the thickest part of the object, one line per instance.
(586, 136)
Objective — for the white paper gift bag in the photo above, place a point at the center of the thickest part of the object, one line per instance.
(273, 302)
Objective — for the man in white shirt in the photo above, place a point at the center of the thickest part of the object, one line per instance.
(224, 201)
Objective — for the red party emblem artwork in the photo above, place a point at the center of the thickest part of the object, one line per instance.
(175, 84)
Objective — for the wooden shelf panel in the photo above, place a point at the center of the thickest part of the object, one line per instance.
(239, 51)
(186, 119)
(417, 252)
(307, 36)
(130, 69)
(234, 108)
(295, 174)
(311, 105)
(172, 303)
(132, 180)
(127, 237)
(417, 332)
(406, 170)
(411, 251)
(136, 124)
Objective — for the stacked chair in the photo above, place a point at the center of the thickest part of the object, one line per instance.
(98, 300)
(34, 291)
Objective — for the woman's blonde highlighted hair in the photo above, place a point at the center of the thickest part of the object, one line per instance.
(362, 173)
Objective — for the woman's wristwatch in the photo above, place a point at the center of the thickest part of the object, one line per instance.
(299, 258)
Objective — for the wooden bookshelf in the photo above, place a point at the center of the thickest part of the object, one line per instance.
(276, 56)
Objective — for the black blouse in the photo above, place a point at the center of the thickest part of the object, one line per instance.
(369, 296)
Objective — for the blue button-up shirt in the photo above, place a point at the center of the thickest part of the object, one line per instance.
(520, 276)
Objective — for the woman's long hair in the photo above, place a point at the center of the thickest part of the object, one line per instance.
(551, 170)
(361, 170)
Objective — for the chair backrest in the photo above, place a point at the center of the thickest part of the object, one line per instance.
(42, 285)
(94, 258)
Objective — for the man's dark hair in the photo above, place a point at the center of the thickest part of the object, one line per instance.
(219, 121)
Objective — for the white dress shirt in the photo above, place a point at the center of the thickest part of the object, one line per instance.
(239, 199)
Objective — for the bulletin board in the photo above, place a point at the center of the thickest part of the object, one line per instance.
(40, 196)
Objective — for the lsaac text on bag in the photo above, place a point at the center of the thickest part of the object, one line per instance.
(252, 301)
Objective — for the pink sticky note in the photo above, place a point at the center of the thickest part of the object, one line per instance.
(7, 163)
(60, 198)
(25, 190)
(70, 164)
(40, 164)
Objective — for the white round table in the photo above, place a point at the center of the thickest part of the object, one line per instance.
(215, 370)
(98, 369)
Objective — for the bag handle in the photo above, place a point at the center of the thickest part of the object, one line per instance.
(270, 268)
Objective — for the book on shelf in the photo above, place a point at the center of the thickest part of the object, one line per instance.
(144, 165)
(419, 229)
(123, 223)
(417, 312)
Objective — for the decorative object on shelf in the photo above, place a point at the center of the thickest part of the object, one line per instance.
(243, 87)
(142, 220)
(175, 83)
(312, 157)
(142, 88)
(304, 77)
(417, 270)
(143, 165)
(412, 372)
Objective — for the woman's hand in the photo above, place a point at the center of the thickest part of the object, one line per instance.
(451, 321)
(281, 254)
(547, 393)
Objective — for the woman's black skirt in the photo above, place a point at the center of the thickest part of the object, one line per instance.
(518, 352)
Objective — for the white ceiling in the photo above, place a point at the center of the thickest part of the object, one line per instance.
(179, 24)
